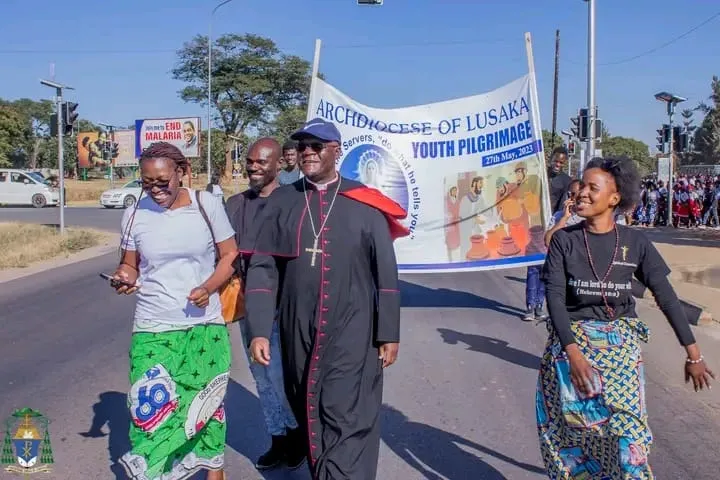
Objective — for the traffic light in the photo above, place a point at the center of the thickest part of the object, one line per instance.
(575, 129)
(660, 140)
(114, 150)
(570, 148)
(597, 127)
(680, 140)
(584, 133)
(69, 116)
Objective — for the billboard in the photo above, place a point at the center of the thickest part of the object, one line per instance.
(92, 149)
(182, 132)
(470, 172)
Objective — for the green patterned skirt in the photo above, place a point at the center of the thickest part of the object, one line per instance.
(179, 380)
(604, 436)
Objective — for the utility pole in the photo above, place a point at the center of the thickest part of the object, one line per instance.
(61, 130)
(555, 88)
(592, 108)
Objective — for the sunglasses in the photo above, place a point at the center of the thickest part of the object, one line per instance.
(150, 185)
(316, 147)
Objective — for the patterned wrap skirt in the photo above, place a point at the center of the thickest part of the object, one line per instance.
(604, 436)
(179, 380)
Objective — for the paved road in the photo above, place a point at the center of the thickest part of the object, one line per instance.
(95, 217)
(459, 404)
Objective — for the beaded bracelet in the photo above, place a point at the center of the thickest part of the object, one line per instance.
(695, 362)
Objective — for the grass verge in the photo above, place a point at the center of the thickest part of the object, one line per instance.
(23, 244)
(88, 192)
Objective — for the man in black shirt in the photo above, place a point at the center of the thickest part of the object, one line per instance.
(559, 183)
(262, 166)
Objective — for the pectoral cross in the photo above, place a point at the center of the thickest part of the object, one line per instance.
(314, 250)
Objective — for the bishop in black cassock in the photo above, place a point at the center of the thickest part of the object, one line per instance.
(324, 258)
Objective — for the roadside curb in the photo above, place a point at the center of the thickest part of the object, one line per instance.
(697, 314)
(110, 244)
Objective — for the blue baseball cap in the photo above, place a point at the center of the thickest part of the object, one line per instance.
(318, 128)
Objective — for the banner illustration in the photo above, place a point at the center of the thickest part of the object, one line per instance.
(470, 172)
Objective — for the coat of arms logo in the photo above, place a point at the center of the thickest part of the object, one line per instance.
(26, 448)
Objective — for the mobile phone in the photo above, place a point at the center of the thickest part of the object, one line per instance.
(113, 281)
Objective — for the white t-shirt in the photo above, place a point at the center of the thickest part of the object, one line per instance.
(176, 255)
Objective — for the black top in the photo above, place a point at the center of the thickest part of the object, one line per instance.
(559, 184)
(243, 209)
(574, 292)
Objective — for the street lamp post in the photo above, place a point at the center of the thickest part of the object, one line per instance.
(592, 108)
(671, 100)
(209, 99)
(61, 157)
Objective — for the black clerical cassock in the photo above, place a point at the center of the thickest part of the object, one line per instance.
(324, 259)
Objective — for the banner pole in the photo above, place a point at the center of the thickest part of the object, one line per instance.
(537, 128)
(314, 76)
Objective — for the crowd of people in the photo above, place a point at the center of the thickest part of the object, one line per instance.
(694, 202)
(320, 316)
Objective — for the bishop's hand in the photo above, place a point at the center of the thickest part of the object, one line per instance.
(260, 351)
(388, 353)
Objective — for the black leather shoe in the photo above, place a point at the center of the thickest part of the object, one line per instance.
(273, 457)
(296, 449)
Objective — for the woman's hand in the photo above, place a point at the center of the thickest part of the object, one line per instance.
(200, 297)
(582, 373)
(697, 370)
(700, 375)
(124, 280)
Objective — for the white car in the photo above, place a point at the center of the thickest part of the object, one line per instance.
(18, 187)
(125, 196)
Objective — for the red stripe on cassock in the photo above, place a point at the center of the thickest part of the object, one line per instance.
(392, 211)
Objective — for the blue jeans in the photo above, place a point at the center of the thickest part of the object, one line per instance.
(534, 287)
(270, 385)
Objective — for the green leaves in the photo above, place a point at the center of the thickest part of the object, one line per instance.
(13, 132)
(252, 81)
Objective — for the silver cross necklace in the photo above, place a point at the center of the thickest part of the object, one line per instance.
(315, 250)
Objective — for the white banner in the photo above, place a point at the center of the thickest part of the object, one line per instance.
(470, 173)
(184, 133)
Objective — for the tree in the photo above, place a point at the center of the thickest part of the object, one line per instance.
(253, 82)
(707, 136)
(37, 116)
(635, 150)
(550, 142)
(12, 134)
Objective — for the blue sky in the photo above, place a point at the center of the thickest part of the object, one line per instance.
(118, 55)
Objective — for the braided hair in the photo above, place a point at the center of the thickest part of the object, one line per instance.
(169, 151)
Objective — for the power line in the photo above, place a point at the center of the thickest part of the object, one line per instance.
(327, 47)
(365, 45)
(659, 47)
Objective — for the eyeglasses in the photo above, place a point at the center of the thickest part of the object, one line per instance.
(316, 147)
(150, 185)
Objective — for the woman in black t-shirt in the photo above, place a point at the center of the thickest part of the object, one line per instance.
(590, 400)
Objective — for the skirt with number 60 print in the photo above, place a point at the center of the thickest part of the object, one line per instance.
(179, 380)
(603, 436)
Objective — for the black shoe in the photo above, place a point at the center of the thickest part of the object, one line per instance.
(273, 457)
(295, 449)
(529, 315)
(540, 313)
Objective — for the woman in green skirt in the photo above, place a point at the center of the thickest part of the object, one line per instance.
(180, 349)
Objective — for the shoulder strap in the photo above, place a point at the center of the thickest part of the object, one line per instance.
(207, 221)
